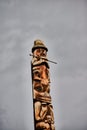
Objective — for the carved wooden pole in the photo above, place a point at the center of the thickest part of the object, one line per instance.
(43, 109)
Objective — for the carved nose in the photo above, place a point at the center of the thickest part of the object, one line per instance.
(44, 82)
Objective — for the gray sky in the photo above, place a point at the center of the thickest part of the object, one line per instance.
(62, 25)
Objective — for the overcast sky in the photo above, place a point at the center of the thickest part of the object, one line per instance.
(62, 25)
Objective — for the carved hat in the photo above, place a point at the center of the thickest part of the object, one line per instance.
(39, 44)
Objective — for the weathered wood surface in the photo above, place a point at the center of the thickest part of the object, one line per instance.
(43, 109)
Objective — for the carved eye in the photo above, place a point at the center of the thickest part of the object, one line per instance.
(43, 52)
(38, 50)
(39, 89)
(37, 74)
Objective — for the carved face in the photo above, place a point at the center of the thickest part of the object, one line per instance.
(39, 87)
(41, 73)
(40, 52)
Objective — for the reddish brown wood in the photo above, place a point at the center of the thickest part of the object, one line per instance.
(42, 104)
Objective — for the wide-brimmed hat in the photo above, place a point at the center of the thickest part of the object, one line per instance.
(39, 44)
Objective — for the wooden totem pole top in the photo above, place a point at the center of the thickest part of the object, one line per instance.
(42, 105)
(39, 44)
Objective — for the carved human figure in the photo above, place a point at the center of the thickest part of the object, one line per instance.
(39, 55)
(41, 83)
(40, 114)
(43, 110)
(44, 116)
(41, 92)
(41, 72)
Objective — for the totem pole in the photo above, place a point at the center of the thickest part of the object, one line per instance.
(42, 104)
